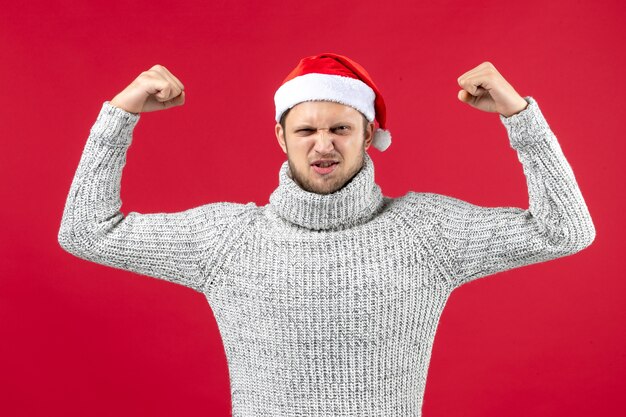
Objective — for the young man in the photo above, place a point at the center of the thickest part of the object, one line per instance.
(328, 297)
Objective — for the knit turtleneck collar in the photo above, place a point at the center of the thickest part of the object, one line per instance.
(355, 203)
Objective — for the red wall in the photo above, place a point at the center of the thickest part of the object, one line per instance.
(80, 339)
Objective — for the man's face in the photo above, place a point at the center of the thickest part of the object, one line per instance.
(317, 131)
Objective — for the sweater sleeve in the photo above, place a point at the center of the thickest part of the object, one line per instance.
(478, 241)
(180, 247)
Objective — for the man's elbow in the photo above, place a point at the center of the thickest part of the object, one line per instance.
(580, 236)
(70, 242)
(66, 240)
(586, 235)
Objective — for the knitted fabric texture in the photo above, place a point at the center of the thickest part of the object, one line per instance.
(327, 304)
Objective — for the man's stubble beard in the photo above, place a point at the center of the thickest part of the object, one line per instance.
(329, 187)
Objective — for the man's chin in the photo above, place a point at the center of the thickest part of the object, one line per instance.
(319, 188)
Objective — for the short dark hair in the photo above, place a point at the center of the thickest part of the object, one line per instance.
(283, 117)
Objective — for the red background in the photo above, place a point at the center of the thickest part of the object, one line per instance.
(80, 339)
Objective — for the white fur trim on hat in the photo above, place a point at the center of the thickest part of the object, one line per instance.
(327, 87)
(382, 139)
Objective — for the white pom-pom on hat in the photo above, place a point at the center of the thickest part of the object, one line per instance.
(382, 139)
(334, 77)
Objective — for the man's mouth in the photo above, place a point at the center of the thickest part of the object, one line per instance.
(324, 167)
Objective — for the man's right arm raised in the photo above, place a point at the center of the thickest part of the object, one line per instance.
(182, 247)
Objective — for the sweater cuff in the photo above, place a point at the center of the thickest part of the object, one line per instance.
(114, 126)
(526, 127)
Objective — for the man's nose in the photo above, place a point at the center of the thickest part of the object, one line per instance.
(324, 141)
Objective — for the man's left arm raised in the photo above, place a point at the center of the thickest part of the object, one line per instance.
(476, 241)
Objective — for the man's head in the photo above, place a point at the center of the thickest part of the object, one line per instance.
(314, 134)
(325, 111)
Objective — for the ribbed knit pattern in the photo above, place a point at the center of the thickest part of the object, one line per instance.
(327, 304)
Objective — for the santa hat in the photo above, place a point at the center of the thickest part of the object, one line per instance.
(333, 77)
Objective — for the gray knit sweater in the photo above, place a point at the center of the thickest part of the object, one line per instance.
(327, 304)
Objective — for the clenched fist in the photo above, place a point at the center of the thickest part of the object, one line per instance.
(155, 89)
(486, 89)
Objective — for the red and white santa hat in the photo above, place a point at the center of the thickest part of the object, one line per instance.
(334, 77)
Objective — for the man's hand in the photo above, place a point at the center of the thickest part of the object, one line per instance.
(484, 88)
(155, 89)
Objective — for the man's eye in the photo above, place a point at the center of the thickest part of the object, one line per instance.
(342, 128)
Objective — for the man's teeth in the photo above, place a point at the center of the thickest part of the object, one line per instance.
(325, 164)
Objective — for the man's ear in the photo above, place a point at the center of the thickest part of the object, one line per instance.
(280, 136)
(369, 134)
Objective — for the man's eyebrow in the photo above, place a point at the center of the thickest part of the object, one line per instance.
(308, 126)
(303, 126)
(341, 123)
